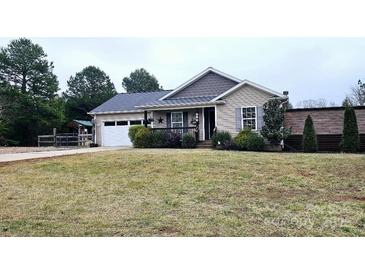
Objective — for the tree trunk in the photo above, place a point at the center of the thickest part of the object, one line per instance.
(24, 83)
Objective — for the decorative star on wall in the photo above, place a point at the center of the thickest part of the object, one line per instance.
(160, 120)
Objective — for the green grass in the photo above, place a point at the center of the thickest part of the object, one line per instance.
(184, 193)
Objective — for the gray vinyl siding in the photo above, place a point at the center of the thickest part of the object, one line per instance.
(210, 84)
(100, 118)
(156, 116)
(245, 96)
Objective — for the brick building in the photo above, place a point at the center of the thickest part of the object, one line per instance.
(328, 123)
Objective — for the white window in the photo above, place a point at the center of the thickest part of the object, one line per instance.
(249, 118)
(176, 119)
(122, 123)
(109, 123)
(135, 122)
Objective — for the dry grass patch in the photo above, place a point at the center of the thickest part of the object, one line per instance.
(184, 193)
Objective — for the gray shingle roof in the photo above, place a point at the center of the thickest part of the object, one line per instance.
(128, 101)
(177, 101)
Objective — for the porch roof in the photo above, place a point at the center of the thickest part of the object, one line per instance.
(180, 102)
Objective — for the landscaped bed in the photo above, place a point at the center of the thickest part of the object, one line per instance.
(184, 193)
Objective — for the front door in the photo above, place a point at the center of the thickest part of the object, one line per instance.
(209, 122)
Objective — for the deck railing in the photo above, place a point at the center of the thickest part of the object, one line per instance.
(179, 130)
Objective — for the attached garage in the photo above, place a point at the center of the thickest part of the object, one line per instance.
(113, 118)
(115, 133)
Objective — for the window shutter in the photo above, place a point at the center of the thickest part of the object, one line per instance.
(185, 121)
(168, 119)
(238, 120)
(260, 117)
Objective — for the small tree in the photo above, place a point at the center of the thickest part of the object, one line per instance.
(350, 135)
(309, 136)
(273, 130)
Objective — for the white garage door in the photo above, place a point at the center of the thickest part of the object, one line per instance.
(115, 133)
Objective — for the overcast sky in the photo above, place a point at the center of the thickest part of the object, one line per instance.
(310, 68)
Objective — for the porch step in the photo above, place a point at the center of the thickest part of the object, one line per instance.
(204, 144)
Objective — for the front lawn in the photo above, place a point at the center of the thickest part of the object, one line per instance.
(184, 193)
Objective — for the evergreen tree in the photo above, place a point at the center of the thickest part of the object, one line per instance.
(273, 129)
(350, 136)
(29, 102)
(140, 80)
(309, 136)
(86, 90)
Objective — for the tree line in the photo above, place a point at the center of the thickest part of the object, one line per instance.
(30, 104)
(355, 98)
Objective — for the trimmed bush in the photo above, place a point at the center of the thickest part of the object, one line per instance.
(158, 138)
(309, 136)
(222, 140)
(248, 140)
(143, 138)
(173, 140)
(133, 130)
(255, 142)
(350, 135)
(241, 139)
(188, 141)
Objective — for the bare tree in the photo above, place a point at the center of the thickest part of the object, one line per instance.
(313, 103)
(358, 94)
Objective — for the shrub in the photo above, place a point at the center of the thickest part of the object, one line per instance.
(188, 141)
(309, 136)
(248, 140)
(222, 139)
(255, 142)
(350, 134)
(143, 138)
(133, 130)
(158, 138)
(241, 139)
(173, 140)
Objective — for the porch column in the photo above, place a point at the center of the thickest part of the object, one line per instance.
(145, 119)
(203, 124)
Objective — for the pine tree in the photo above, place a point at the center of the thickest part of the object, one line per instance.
(309, 136)
(350, 135)
(29, 104)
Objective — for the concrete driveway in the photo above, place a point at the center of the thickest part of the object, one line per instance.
(11, 157)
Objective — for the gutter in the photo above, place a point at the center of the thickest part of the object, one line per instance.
(115, 112)
(180, 106)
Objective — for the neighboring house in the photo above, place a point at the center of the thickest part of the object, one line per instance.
(215, 99)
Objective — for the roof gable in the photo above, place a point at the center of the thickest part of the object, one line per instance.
(209, 82)
(247, 82)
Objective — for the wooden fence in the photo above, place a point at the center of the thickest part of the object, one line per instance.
(64, 139)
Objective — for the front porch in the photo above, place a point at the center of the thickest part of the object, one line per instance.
(199, 122)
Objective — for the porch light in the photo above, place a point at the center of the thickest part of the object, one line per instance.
(196, 120)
